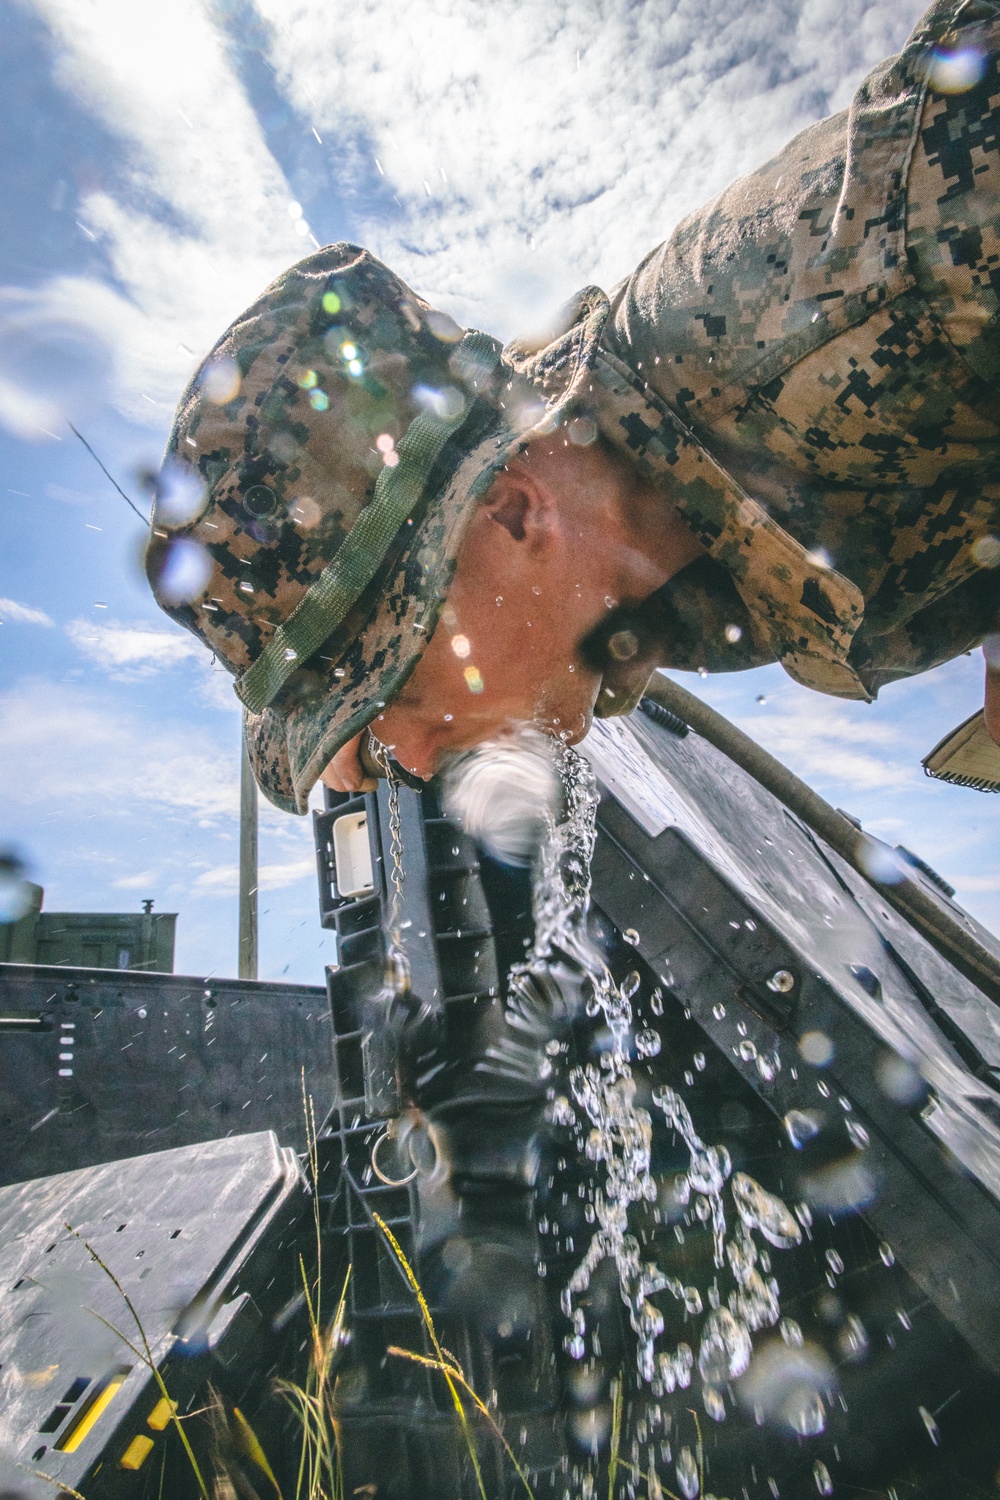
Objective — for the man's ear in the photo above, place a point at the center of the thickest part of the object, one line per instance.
(517, 502)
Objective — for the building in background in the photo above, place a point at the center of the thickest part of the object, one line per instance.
(94, 940)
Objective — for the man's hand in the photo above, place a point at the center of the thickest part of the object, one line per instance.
(991, 651)
(345, 772)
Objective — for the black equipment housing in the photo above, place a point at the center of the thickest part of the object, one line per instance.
(755, 946)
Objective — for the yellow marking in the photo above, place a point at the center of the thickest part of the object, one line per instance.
(161, 1414)
(137, 1452)
(93, 1413)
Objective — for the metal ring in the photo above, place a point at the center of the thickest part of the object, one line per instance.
(388, 1135)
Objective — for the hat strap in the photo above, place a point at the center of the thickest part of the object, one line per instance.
(398, 491)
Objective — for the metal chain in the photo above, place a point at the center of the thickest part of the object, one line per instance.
(397, 872)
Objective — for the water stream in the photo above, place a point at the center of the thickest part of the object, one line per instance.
(615, 1133)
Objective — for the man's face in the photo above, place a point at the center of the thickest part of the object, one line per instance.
(561, 539)
(505, 652)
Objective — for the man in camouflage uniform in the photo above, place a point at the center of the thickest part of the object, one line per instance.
(780, 433)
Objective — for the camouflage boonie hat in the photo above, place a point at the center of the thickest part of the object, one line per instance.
(322, 469)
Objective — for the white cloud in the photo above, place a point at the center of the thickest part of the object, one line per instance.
(225, 879)
(68, 495)
(131, 652)
(215, 686)
(22, 614)
(98, 756)
(534, 148)
(275, 877)
(976, 882)
(221, 880)
(135, 882)
(200, 228)
(530, 149)
(822, 741)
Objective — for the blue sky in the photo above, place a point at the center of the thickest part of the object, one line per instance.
(159, 164)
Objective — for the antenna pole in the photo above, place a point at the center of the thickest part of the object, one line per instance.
(248, 867)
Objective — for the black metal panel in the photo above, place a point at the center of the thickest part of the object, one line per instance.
(855, 967)
(746, 934)
(95, 1066)
(203, 1241)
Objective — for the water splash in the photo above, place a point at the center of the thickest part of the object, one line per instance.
(618, 1139)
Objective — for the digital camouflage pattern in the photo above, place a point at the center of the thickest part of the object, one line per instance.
(275, 452)
(827, 331)
(809, 367)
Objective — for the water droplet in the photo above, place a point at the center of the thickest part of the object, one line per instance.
(748, 1050)
(807, 1414)
(631, 937)
(656, 1002)
(781, 982)
(791, 1333)
(725, 1348)
(802, 1125)
(853, 1338)
(857, 1133)
(562, 1111)
(886, 1254)
(699, 1061)
(630, 985)
(768, 1065)
(719, 1011)
(575, 1347)
(647, 1042)
(835, 1263)
(692, 1301)
(929, 1422)
(713, 1403)
(816, 1048)
(761, 1210)
(904, 1318)
(687, 1474)
(821, 1474)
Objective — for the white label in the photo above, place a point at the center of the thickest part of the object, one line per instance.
(352, 855)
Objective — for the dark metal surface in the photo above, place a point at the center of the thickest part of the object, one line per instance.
(202, 1242)
(922, 898)
(710, 889)
(97, 1065)
(755, 948)
(726, 854)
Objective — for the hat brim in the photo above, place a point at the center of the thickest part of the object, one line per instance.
(289, 746)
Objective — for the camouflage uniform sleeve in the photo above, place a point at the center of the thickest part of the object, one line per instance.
(826, 332)
(953, 197)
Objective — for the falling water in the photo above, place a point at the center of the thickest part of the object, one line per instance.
(617, 1138)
